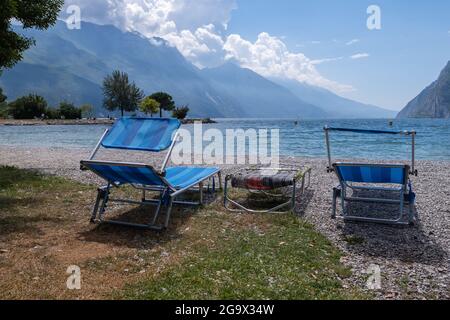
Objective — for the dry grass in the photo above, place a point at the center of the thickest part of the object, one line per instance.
(44, 229)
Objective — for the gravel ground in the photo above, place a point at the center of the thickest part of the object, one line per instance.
(414, 261)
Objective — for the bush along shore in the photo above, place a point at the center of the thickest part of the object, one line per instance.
(98, 121)
(33, 109)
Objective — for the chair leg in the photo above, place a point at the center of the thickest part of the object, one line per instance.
(104, 202)
(402, 204)
(169, 212)
(219, 175)
(225, 193)
(200, 186)
(335, 196)
(97, 204)
(155, 216)
(413, 215)
(294, 195)
(159, 207)
(102, 195)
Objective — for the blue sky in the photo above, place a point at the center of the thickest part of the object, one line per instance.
(309, 41)
(406, 55)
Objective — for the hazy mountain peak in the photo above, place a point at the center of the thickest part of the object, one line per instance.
(433, 101)
(80, 59)
(335, 106)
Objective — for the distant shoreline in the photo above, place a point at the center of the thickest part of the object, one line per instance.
(60, 122)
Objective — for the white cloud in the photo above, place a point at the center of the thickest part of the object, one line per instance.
(359, 56)
(269, 56)
(194, 27)
(320, 61)
(352, 42)
(197, 27)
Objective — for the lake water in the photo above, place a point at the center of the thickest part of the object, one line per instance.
(303, 139)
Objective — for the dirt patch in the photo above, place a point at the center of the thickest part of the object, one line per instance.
(45, 229)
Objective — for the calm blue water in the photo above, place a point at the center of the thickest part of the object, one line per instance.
(304, 139)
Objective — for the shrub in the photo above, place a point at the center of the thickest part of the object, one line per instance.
(149, 106)
(3, 110)
(165, 101)
(180, 113)
(2, 96)
(28, 107)
(69, 111)
(3, 105)
(52, 113)
(87, 111)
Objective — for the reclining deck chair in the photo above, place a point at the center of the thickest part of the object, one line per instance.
(368, 177)
(152, 135)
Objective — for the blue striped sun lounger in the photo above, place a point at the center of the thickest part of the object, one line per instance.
(377, 183)
(151, 135)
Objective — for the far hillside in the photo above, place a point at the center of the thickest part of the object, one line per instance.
(70, 65)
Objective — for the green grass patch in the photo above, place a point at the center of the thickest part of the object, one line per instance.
(288, 260)
(207, 253)
(15, 180)
(22, 191)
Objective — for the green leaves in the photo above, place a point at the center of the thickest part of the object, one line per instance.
(180, 113)
(28, 107)
(149, 106)
(2, 96)
(165, 100)
(39, 14)
(119, 93)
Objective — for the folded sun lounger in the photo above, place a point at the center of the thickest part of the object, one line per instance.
(266, 181)
(376, 183)
(152, 135)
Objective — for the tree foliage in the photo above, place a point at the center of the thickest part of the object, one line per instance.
(39, 14)
(3, 105)
(68, 111)
(180, 113)
(120, 94)
(2, 96)
(149, 106)
(165, 101)
(28, 107)
(87, 110)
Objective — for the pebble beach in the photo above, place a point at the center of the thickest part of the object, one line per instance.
(413, 260)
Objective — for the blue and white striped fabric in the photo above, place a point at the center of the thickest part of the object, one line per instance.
(120, 174)
(177, 177)
(144, 134)
(182, 177)
(373, 174)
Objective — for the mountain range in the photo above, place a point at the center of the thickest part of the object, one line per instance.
(433, 101)
(71, 65)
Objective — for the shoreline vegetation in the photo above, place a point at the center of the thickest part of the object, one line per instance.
(98, 121)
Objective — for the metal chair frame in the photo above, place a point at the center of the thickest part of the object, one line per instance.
(303, 177)
(167, 192)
